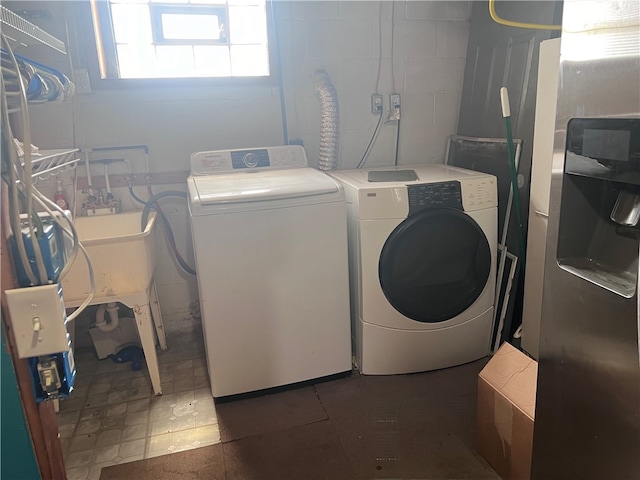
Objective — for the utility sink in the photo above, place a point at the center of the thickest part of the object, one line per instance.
(122, 259)
(121, 254)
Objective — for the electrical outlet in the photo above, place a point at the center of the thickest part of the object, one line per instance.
(394, 106)
(376, 104)
(81, 80)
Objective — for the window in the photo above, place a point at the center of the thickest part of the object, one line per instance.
(181, 38)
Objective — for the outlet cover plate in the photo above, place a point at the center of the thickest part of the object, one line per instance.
(376, 104)
(37, 317)
(81, 80)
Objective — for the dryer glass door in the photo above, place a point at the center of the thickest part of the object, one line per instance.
(434, 265)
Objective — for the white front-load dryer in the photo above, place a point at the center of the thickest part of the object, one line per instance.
(422, 249)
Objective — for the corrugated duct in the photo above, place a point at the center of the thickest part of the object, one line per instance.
(329, 116)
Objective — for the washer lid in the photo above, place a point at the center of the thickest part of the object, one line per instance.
(256, 186)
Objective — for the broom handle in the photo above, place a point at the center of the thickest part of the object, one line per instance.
(506, 113)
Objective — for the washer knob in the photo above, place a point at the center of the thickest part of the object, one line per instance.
(250, 160)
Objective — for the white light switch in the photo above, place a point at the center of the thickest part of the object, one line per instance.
(37, 316)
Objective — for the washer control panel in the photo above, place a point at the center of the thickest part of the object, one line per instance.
(429, 195)
(224, 161)
(250, 158)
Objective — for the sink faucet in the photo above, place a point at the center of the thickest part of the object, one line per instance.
(98, 203)
(101, 201)
(88, 191)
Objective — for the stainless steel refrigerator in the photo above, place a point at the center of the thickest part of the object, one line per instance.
(587, 420)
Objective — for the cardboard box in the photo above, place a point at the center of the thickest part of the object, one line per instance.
(506, 409)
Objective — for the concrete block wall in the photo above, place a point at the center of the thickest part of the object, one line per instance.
(428, 40)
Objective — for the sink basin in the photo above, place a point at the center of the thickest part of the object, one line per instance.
(122, 257)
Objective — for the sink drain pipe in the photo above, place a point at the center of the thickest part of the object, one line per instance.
(101, 322)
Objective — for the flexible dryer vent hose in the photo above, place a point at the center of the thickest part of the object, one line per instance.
(329, 115)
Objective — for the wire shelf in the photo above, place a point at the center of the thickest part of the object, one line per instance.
(45, 162)
(25, 33)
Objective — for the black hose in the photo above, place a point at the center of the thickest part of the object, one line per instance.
(152, 204)
(137, 198)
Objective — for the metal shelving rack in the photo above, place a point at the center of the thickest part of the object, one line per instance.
(25, 33)
(47, 161)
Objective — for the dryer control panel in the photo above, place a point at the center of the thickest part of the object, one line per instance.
(441, 194)
(479, 193)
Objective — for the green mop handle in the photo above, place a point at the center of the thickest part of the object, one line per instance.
(506, 113)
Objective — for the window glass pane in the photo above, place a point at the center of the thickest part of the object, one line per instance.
(246, 2)
(247, 25)
(177, 26)
(249, 60)
(196, 41)
(175, 60)
(208, 2)
(212, 60)
(131, 23)
(136, 61)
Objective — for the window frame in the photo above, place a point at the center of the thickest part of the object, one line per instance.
(94, 41)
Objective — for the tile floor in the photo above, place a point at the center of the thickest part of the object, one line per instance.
(113, 416)
(357, 427)
(418, 426)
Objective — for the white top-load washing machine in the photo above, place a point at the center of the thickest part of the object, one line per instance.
(422, 245)
(270, 243)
